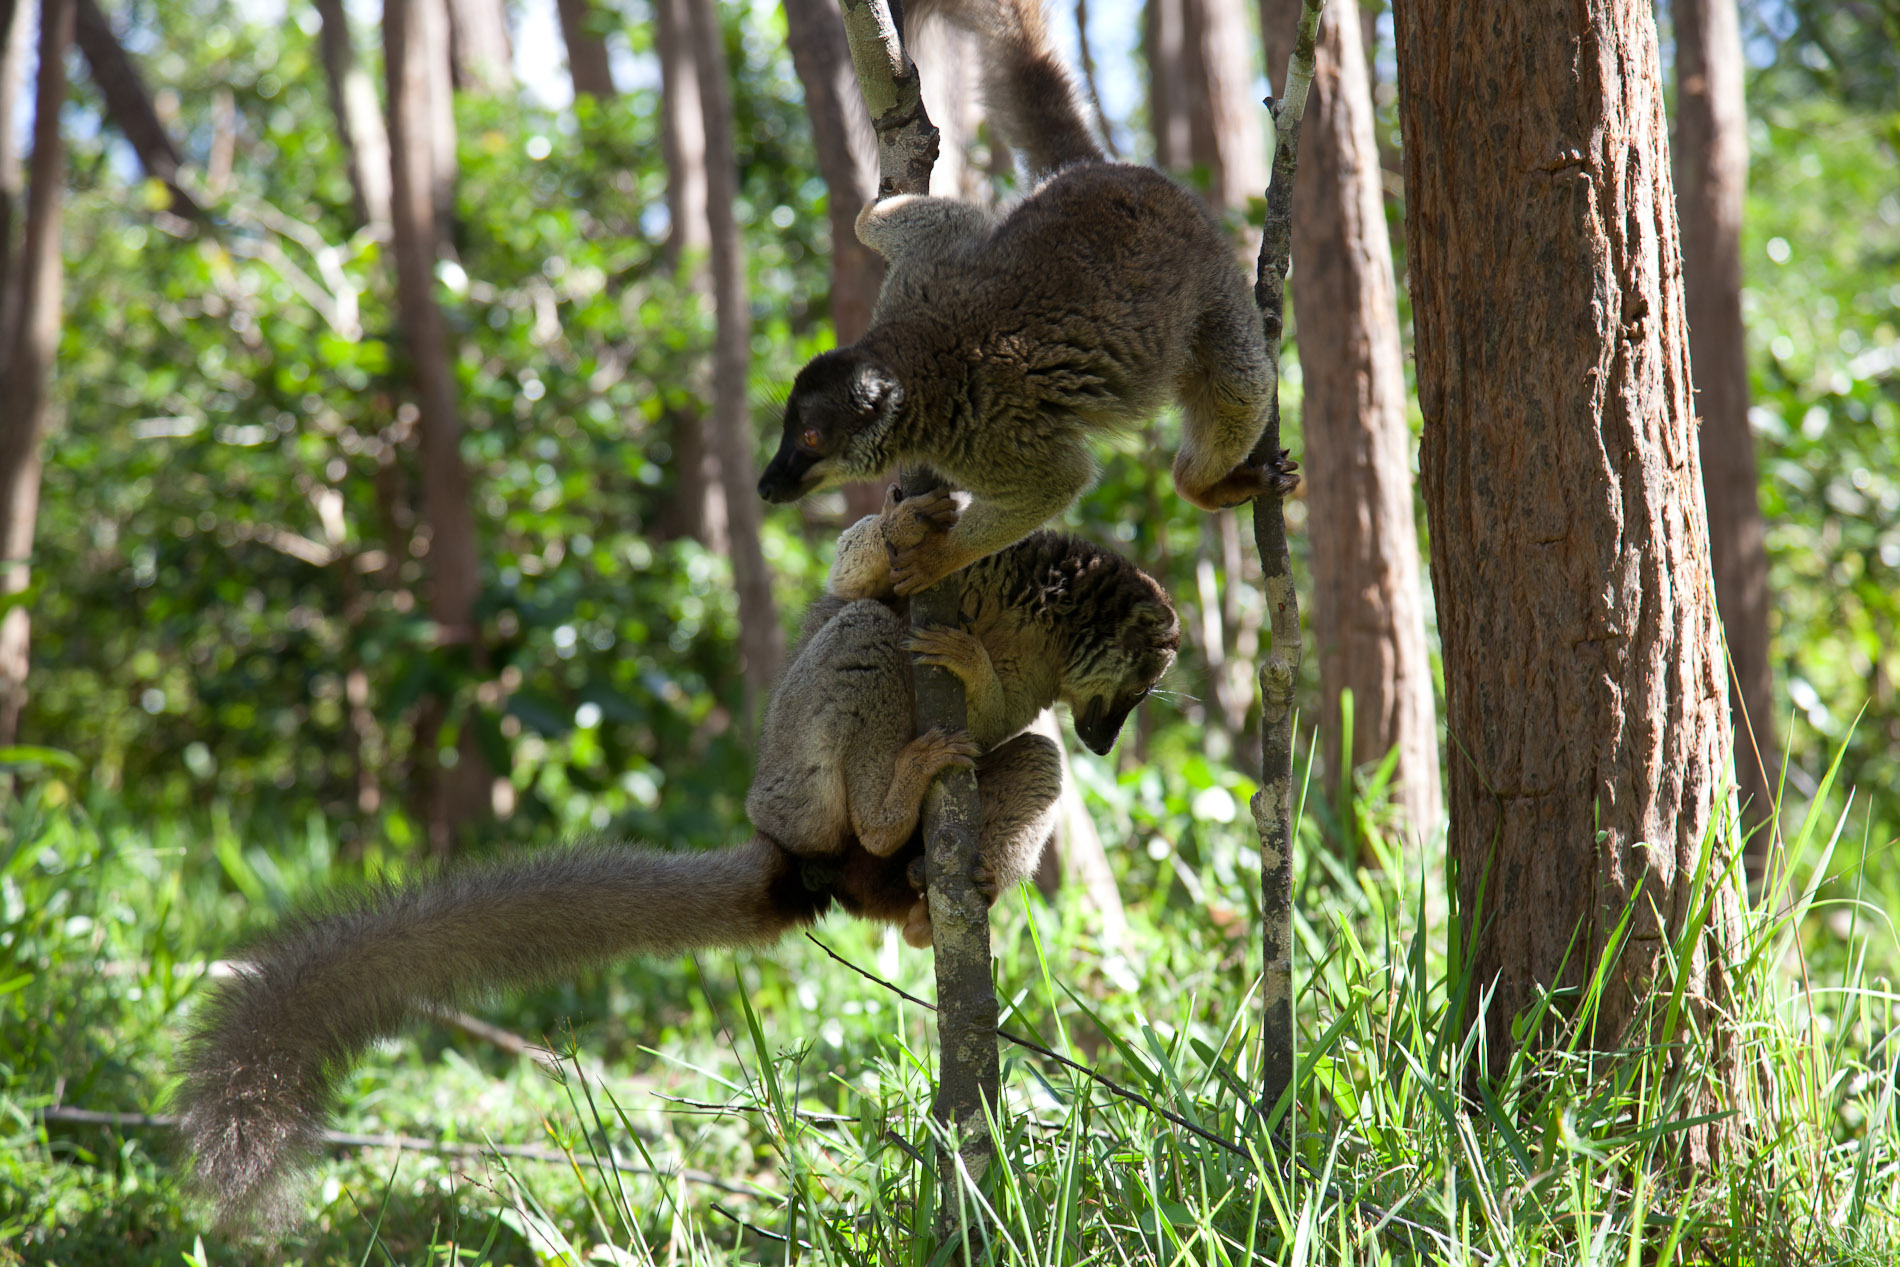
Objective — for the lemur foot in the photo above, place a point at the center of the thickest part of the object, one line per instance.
(908, 520)
(1249, 480)
(918, 930)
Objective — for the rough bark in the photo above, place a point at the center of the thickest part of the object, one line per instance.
(128, 104)
(847, 159)
(1712, 165)
(1584, 683)
(359, 118)
(29, 335)
(415, 49)
(481, 55)
(761, 642)
(1223, 109)
(587, 64)
(1368, 605)
(1280, 670)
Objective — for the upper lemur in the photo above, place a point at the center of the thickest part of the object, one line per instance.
(834, 802)
(998, 344)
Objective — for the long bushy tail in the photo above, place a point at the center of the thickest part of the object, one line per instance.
(1030, 94)
(267, 1048)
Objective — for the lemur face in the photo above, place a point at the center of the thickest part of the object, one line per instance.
(1113, 668)
(839, 404)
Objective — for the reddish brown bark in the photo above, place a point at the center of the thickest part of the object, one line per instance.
(587, 63)
(1585, 692)
(416, 56)
(1368, 605)
(761, 642)
(1712, 164)
(29, 334)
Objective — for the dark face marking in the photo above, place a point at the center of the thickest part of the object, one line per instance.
(839, 395)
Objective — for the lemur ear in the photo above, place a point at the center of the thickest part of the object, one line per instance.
(875, 389)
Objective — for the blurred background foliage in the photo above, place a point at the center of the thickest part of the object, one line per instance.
(227, 607)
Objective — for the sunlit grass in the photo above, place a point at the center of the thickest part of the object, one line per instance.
(751, 1109)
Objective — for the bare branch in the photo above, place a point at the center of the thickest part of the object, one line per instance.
(1273, 803)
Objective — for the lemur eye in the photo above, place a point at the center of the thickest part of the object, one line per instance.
(810, 438)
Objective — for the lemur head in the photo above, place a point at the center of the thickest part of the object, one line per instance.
(1120, 635)
(839, 408)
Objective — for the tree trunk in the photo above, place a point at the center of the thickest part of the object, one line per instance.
(1712, 163)
(29, 334)
(1584, 683)
(1368, 608)
(359, 118)
(682, 127)
(1164, 47)
(847, 158)
(587, 63)
(1222, 107)
(481, 56)
(128, 104)
(761, 642)
(416, 56)
(698, 508)
(13, 33)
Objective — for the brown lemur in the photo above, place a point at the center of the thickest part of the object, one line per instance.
(840, 775)
(998, 344)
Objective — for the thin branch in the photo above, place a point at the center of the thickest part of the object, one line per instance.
(1273, 803)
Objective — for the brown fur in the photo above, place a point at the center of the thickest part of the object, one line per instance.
(835, 800)
(999, 345)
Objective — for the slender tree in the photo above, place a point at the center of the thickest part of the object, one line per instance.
(128, 104)
(698, 508)
(1712, 167)
(1368, 606)
(359, 118)
(416, 58)
(761, 642)
(587, 63)
(1223, 109)
(481, 54)
(1583, 672)
(847, 159)
(14, 15)
(29, 333)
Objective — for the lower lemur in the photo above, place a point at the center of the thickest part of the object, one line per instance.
(834, 803)
(998, 345)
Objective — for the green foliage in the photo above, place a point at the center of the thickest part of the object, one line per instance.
(1821, 258)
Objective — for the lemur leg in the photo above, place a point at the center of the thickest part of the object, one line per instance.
(895, 226)
(1019, 785)
(964, 655)
(1224, 403)
(884, 811)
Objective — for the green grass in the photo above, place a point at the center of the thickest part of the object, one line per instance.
(752, 1109)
